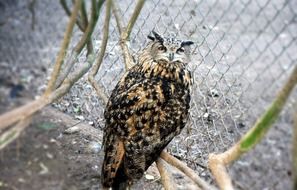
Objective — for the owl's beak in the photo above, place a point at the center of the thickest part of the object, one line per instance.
(171, 56)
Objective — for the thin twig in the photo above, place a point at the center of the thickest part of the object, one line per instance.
(86, 38)
(186, 170)
(79, 22)
(100, 57)
(166, 177)
(69, 81)
(62, 53)
(84, 15)
(89, 30)
(70, 62)
(125, 33)
(218, 162)
(65, 7)
(133, 18)
(99, 5)
(85, 23)
(116, 13)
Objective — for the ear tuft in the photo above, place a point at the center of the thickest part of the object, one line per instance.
(151, 37)
(187, 43)
(158, 37)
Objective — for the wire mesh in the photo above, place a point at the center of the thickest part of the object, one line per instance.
(244, 52)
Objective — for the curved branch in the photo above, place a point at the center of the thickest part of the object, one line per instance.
(218, 162)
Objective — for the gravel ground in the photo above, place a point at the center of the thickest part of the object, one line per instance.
(244, 51)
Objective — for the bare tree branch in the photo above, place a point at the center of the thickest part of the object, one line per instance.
(89, 30)
(85, 23)
(84, 16)
(29, 109)
(218, 162)
(100, 57)
(65, 43)
(19, 113)
(86, 39)
(79, 22)
(186, 170)
(116, 12)
(133, 18)
(166, 177)
(125, 33)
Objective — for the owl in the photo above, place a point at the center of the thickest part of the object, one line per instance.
(148, 107)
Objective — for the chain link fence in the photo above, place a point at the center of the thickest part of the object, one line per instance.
(244, 52)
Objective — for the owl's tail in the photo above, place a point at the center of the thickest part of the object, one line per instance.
(112, 172)
(120, 181)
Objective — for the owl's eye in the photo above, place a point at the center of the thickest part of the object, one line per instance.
(162, 48)
(180, 50)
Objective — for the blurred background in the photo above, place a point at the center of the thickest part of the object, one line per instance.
(244, 52)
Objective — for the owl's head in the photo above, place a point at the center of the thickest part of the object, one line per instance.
(169, 49)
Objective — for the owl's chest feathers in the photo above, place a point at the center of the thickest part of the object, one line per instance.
(175, 72)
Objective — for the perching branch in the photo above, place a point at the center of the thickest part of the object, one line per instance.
(186, 170)
(218, 162)
(100, 57)
(166, 177)
(62, 53)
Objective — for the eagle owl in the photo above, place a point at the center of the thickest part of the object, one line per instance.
(148, 107)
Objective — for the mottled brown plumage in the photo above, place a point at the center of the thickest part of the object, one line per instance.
(148, 107)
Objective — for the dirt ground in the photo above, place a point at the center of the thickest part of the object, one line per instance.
(241, 60)
(57, 152)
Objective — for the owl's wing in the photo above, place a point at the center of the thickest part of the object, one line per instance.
(124, 108)
(124, 113)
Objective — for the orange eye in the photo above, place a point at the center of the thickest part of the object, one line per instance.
(162, 48)
(181, 50)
